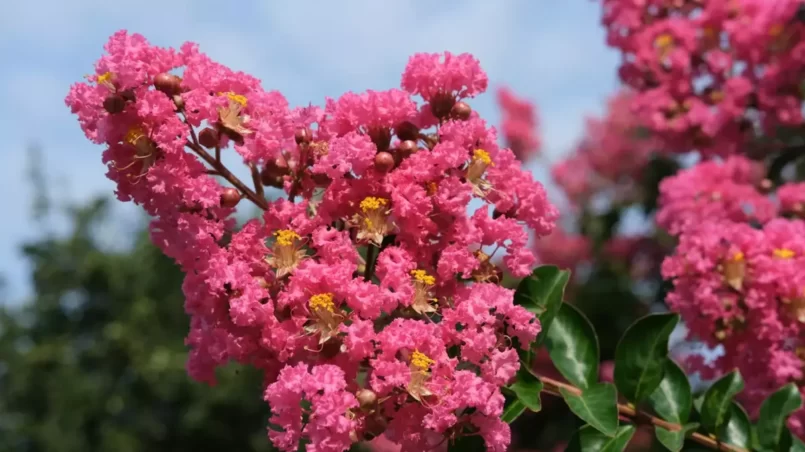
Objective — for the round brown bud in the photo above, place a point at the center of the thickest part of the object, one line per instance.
(406, 130)
(128, 95)
(209, 137)
(114, 104)
(366, 398)
(384, 162)
(441, 105)
(274, 171)
(230, 197)
(168, 84)
(303, 135)
(461, 110)
(407, 148)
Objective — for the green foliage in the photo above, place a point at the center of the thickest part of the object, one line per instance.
(775, 410)
(541, 293)
(717, 403)
(641, 356)
(588, 439)
(597, 405)
(94, 361)
(573, 347)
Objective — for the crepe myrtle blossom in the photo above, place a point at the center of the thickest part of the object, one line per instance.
(341, 293)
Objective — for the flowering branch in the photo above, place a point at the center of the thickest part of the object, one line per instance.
(224, 172)
(553, 387)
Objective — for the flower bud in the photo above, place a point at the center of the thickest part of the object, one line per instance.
(168, 84)
(114, 104)
(381, 137)
(178, 101)
(406, 148)
(441, 105)
(367, 399)
(273, 172)
(461, 111)
(128, 95)
(406, 130)
(208, 137)
(384, 162)
(230, 197)
(303, 135)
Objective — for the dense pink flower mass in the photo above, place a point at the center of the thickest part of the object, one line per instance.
(518, 124)
(710, 72)
(364, 297)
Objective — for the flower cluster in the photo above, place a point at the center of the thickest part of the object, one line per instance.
(610, 157)
(519, 124)
(737, 273)
(710, 73)
(371, 297)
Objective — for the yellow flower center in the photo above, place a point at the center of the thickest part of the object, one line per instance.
(106, 77)
(783, 253)
(371, 203)
(664, 43)
(421, 361)
(286, 237)
(237, 98)
(479, 155)
(423, 277)
(323, 302)
(738, 256)
(134, 135)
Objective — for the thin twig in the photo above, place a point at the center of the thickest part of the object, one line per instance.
(371, 257)
(258, 184)
(553, 387)
(226, 174)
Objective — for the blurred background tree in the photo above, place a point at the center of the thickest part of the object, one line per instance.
(94, 360)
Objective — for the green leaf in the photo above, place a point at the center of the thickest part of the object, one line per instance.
(527, 387)
(641, 355)
(541, 293)
(597, 406)
(798, 445)
(512, 411)
(716, 406)
(737, 430)
(588, 439)
(573, 347)
(676, 439)
(672, 399)
(773, 414)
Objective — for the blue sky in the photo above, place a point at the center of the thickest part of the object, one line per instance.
(549, 51)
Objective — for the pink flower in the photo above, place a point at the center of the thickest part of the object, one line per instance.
(432, 74)
(519, 124)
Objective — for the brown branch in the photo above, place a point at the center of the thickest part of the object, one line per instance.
(258, 184)
(218, 166)
(553, 387)
(226, 174)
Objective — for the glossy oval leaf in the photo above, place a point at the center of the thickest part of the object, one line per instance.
(717, 402)
(588, 439)
(738, 430)
(513, 410)
(541, 293)
(527, 388)
(573, 346)
(773, 415)
(672, 400)
(597, 406)
(674, 440)
(641, 355)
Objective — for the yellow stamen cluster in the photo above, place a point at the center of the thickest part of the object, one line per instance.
(421, 361)
(371, 203)
(479, 155)
(738, 256)
(432, 188)
(286, 237)
(134, 134)
(237, 98)
(783, 253)
(322, 301)
(106, 77)
(664, 42)
(423, 277)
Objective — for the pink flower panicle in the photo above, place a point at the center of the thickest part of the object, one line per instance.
(338, 297)
(709, 72)
(519, 124)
